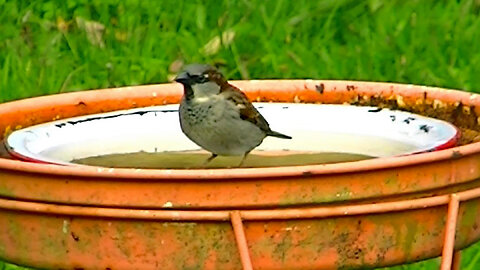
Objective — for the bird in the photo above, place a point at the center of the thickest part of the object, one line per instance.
(218, 116)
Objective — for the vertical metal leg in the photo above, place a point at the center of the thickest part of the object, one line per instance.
(241, 240)
(449, 238)
(457, 256)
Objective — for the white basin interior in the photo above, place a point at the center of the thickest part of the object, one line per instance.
(368, 131)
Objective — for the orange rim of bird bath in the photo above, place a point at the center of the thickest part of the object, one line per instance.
(444, 178)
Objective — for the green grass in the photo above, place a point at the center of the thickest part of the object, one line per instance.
(44, 46)
(49, 47)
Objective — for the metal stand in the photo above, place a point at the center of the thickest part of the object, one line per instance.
(241, 240)
(449, 238)
(450, 257)
(456, 260)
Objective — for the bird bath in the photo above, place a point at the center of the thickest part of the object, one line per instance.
(366, 213)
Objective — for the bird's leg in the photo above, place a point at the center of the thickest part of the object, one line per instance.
(209, 159)
(243, 159)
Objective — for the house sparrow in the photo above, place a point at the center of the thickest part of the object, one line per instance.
(217, 116)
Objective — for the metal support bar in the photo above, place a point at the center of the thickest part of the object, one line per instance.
(241, 240)
(457, 256)
(449, 238)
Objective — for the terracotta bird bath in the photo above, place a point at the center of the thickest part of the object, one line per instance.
(368, 213)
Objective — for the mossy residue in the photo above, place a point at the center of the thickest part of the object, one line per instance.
(283, 247)
(402, 232)
(21, 240)
(121, 239)
(392, 181)
(224, 245)
(3, 250)
(408, 238)
(467, 220)
(349, 248)
(200, 240)
(388, 240)
(147, 234)
(54, 245)
(6, 191)
(454, 113)
(308, 240)
(463, 116)
(315, 195)
(87, 238)
(342, 195)
(193, 244)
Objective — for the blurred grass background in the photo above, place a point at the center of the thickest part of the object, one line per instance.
(49, 47)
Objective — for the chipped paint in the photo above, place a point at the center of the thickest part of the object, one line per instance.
(66, 226)
(343, 194)
(400, 101)
(167, 205)
(296, 99)
(7, 131)
(438, 104)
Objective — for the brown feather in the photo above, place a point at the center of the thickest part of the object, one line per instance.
(247, 111)
(235, 95)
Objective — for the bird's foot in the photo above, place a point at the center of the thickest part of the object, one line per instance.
(243, 160)
(209, 159)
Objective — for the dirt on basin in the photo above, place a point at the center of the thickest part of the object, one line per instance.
(3, 151)
(462, 116)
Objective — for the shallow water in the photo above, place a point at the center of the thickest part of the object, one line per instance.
(194, 160)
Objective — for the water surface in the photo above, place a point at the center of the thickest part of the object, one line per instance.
(194, 160)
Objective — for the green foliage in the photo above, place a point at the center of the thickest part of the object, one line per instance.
(7, 266)
(57, 46)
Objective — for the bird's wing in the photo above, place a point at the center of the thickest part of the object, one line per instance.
(246, 109)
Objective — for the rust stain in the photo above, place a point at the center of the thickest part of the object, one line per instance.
(320, 87)
(456, 155)
(74, 237)
(307, 173)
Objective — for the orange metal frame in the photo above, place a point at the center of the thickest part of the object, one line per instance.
(450, 257)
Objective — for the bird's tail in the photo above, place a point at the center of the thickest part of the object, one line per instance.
(277, 134)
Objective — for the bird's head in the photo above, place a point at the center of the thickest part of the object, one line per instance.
(200, 80)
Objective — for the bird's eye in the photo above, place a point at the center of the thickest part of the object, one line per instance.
(201, 78)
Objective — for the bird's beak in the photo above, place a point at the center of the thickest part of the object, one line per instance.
(182, 78)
